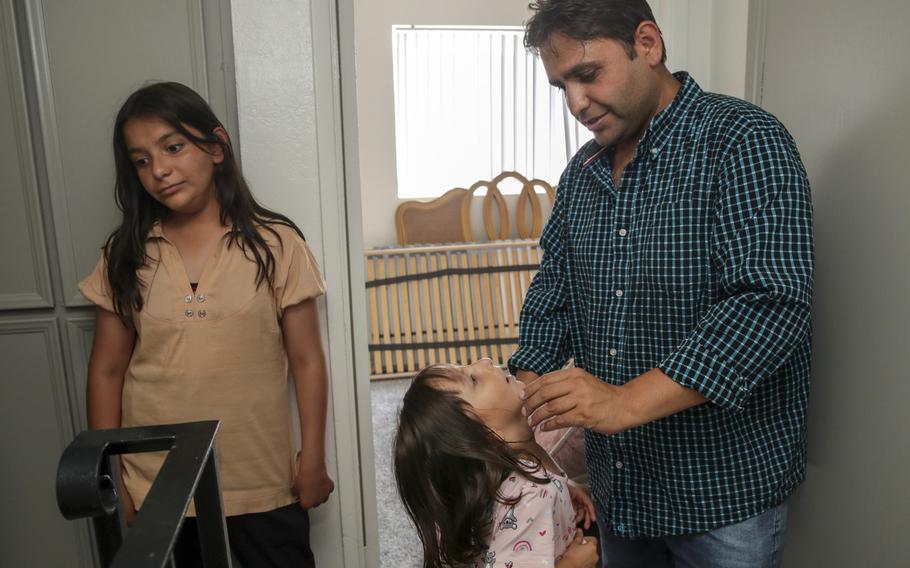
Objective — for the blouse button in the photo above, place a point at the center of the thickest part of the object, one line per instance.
(188, 313)
(200, 298)
(188, 298)
(202, 313)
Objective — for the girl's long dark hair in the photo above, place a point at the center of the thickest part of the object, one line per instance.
(124, 250)
(449, 466)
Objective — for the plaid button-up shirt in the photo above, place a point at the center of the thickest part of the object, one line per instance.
(700, 264)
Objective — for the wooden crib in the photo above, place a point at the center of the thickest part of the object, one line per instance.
(442, 296)
(446, 303)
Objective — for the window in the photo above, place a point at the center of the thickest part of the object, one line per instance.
(471, 102)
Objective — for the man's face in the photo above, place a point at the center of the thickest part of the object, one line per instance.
(612, 95)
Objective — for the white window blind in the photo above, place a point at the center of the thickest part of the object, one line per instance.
(471, 102)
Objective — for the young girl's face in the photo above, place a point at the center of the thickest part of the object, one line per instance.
(493, 393)
(174, 171)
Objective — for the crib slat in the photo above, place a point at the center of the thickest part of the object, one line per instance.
(404, 290)
(376, 359)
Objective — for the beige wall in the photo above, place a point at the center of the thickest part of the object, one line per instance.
(836, 75)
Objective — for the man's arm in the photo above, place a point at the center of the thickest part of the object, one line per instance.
(574, 397)
(763, 243)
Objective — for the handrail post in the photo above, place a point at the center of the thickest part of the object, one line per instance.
(108, 532)
(86, 488)
(210, 514)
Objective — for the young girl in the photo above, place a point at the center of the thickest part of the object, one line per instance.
(204, 298)
(479, 489)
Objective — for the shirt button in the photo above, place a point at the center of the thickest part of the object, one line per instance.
(200, 298)
(188, 313)
(620, 528)
(654, 151)
(188, 298)
(619, 465)
(613, 352)
(203, 313)
(619, 293)
(623, 232)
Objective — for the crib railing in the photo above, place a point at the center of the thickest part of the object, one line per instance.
(446, 303)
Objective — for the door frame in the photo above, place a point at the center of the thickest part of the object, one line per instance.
(339, 172)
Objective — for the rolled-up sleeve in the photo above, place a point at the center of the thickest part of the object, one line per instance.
(762, 243)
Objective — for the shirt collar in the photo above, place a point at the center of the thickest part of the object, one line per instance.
(156, 232)
(662, 123)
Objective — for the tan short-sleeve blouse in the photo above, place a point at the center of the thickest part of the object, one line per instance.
(216, 354)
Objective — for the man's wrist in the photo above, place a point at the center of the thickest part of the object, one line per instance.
(633, 413)
(525, 375)
(652, 396)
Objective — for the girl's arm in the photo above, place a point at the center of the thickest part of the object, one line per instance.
(302, 340)
(112, 348)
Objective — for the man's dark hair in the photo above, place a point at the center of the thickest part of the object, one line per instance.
(588, 19)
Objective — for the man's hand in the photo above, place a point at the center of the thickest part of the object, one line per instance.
(582, 553)
(583, 505)
(574, 397)
(312, 484)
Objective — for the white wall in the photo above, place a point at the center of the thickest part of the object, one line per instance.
(729, 45)
(835, 74)
(286, 54)
(706, 37)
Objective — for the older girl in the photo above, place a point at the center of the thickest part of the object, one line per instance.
(204, 299)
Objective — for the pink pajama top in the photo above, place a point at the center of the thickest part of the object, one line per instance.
(535, 531)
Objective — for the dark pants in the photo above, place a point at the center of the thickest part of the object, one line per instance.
(274, 539)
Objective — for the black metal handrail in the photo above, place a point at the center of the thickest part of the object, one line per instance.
(86, 488)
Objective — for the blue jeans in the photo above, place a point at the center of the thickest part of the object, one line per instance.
(753, 543)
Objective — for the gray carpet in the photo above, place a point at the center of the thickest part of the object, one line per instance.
(399, 546)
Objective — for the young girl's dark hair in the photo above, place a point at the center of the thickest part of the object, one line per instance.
(124, 250)
(449, 466)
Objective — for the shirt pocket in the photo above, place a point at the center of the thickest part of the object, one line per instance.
(675, 245)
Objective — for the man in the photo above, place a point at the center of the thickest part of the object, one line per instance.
(677, 272)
